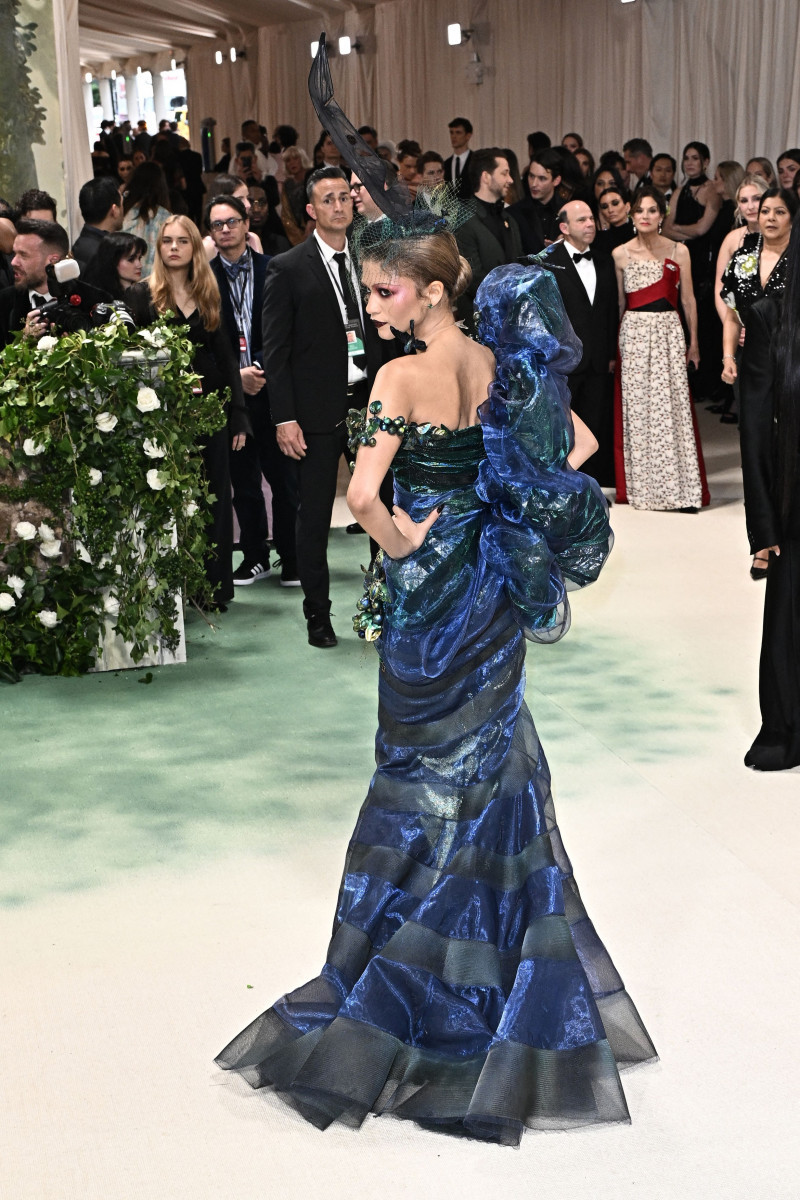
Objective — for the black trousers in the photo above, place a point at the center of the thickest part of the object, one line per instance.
(317, 474)
(777, 746)
(261, 456)
(592, 396)
(218, 564)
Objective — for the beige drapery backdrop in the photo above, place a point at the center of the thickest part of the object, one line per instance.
(724, 71)
(74, 142)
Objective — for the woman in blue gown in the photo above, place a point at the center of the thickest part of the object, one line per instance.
(465, 987)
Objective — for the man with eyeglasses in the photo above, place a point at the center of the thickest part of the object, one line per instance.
(240, 273)
(321, 354)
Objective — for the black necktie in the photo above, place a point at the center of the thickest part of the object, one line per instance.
(587, 256)
(350, 304)
(457, 166)
(37, 301)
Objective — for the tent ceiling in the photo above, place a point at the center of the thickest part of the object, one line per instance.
(110, 32)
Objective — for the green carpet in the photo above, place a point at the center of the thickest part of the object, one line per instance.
(257, 731)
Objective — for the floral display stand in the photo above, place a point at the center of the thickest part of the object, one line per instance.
(103, 505)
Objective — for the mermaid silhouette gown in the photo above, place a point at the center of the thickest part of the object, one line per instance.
(465, 986)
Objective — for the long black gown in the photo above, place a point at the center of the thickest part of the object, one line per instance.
(777, 745)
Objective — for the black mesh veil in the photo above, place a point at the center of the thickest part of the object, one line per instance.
(433, 210)
(389, 193)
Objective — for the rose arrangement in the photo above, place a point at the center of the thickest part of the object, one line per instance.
(103, 505)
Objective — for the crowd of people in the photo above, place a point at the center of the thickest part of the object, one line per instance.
(657, 262)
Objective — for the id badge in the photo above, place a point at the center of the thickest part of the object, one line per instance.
(242, 343)
(355, 342)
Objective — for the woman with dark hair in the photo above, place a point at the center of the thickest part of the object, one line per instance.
(572, 142)
(586, 161)
(770, 437)
(117, 263)
(606, 177)
(691, 220)
(146, 206)
(757, 269)
(463, 968)
(788, 166)
(614, 210)
(659, 462)
(183, 283)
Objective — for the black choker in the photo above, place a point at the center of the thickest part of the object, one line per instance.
(412, 344)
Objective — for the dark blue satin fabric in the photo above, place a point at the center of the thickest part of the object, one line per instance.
(516, 520)
(459, 930)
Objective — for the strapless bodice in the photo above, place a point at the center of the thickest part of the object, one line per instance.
(433, 458)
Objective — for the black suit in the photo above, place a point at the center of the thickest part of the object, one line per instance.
(305, 360)
(260, 454)
(14, 308)
(486, 241)
(465, 186)
(596, 323)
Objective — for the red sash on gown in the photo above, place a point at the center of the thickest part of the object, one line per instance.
(666, 288)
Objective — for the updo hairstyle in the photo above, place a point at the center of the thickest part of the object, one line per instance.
(424, 260)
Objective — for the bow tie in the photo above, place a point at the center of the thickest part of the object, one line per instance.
(37, 301)
(585, 257)
(234, 269)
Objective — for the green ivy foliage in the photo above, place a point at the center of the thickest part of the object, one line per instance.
(100, 431)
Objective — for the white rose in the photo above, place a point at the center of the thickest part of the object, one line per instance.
(6, 602)
(46, 533)
(111, 605)
(50, 549)
(25, 530)
(190, 508)
(147, 400)
(105, 422)
(47, 342)
(48, 618)
(16, 584)
(95, 476)
(82, 552)
(153, 337)
(154, 480)
(31, 447)
(152, 449)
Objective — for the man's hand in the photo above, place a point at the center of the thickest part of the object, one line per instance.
(290, 440)
(34, 327)
(253, 380)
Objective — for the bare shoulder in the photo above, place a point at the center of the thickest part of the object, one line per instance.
(620, 253)
(679, 254)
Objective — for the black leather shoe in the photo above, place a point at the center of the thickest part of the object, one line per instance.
(320, 633)
(354, 528)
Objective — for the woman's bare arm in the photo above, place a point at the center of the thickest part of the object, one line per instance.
(586, 444)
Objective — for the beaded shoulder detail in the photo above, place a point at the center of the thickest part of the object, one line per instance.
(364, 423)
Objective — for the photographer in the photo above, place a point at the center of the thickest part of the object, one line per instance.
(245, 165)
(101, 209)
(37, 244)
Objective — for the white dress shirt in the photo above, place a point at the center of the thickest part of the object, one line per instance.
(586, 269)
(354, 374)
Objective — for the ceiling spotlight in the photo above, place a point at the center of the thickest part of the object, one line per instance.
(88, 77)
(113, 74)
(314, 49)
(218, 58)
(456, 35)
(233, 54)
(345, 45)
(173, 66)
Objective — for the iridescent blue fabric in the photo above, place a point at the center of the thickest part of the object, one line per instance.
(465, 987)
